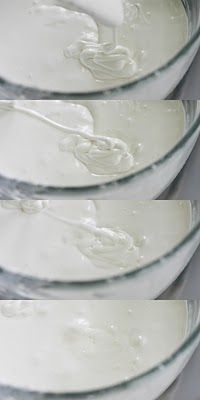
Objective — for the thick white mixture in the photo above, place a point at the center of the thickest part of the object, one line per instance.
(54, 47)
(82, 240)
(59, 143)
(59, 346)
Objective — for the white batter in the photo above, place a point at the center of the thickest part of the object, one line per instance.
(72, 346)
(58, 143)
(83, 240)
(52, 46)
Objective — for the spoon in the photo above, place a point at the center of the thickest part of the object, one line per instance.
(108, 12)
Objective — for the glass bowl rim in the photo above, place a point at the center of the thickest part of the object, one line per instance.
(81, 285)
(184, 346)
(45, 190)
(184, 49)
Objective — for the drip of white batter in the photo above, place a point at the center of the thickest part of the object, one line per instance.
(106, 61)
(74, 346)
(106, 156)
(102, 245)
(100, 154)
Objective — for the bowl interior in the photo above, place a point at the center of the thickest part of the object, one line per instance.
(192, 337)
(20, 188)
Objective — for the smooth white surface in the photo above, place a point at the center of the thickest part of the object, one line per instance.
(40, 34)
(82, 345)
(123, 235)
(123, 137)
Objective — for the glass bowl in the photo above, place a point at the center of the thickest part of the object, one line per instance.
(147, 282)
(147, 183)
(156, 85)
(147, 386)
